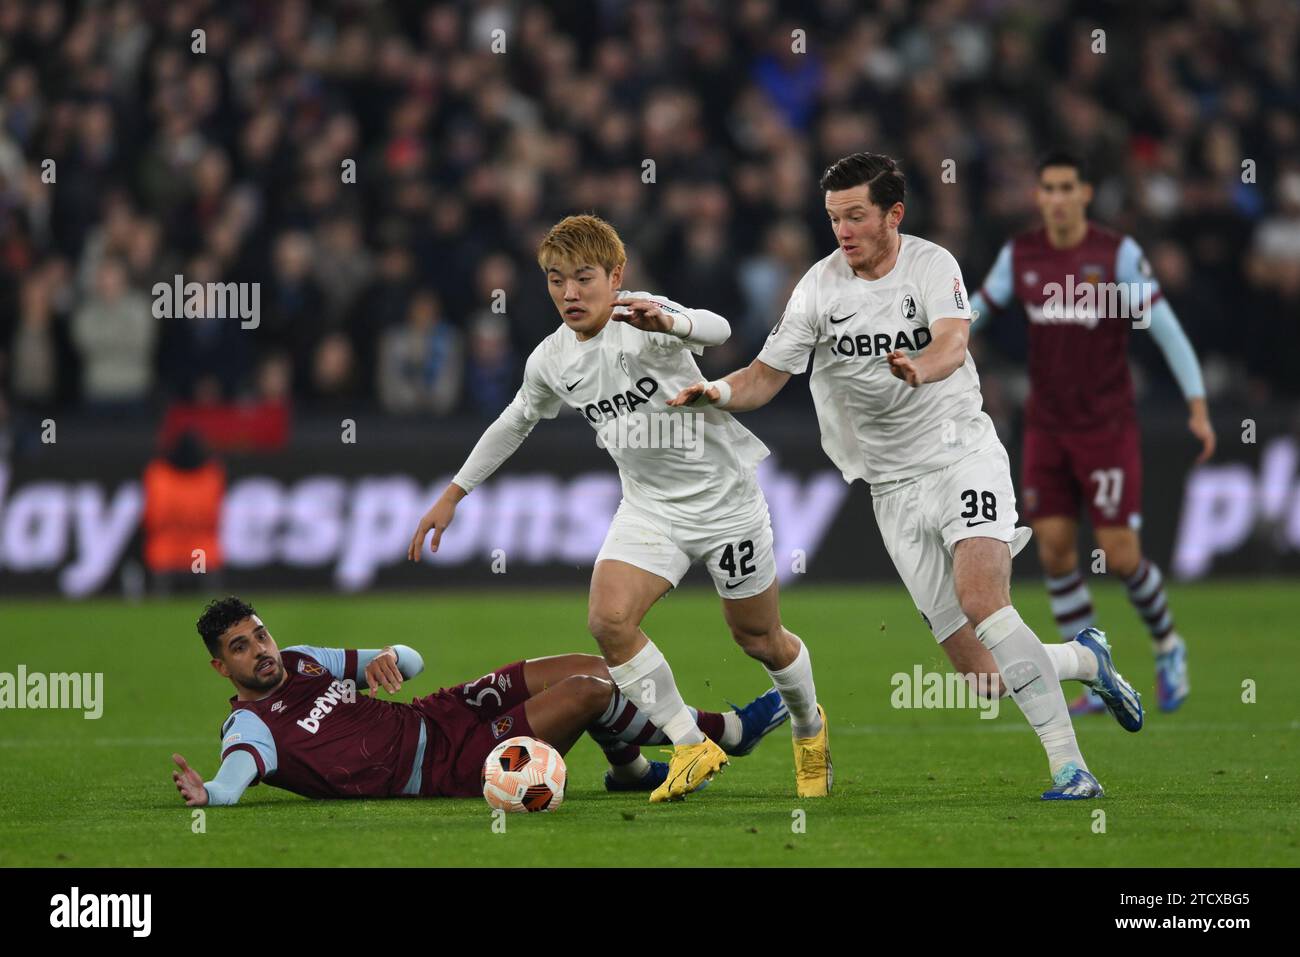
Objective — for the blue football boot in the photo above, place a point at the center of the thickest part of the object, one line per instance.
(1171, 676)
(653, 777)
(1073, 783)
(1118, 695)
(758, 719)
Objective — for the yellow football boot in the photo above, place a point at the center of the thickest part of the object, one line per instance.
(691, 767)
(813, 774)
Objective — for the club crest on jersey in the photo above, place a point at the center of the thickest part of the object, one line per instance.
(310, 668)
(502, 725)
(622, 362)
(1093, 274)
(909, 307)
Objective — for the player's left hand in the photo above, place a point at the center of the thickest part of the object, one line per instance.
(902, 366)
(1200, 426)
(382, 672)
(645, 314)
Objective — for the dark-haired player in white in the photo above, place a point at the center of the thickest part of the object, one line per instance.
(886, 319)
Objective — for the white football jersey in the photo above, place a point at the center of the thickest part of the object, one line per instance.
(686, 464)
(874, 426)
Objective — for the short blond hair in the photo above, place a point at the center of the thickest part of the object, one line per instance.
(579, 241)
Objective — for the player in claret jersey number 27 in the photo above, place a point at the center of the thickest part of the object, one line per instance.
(1082, 445)
(297, 722)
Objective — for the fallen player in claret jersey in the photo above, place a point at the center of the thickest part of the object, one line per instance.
(298, 723)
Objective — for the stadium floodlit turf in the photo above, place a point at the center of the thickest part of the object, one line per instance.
(1217, 783)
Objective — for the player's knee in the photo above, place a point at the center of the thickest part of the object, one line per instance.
(978, 604)
(610, 625)
(1123, 561)
(591, 665)
(588, 692)
(761, 643)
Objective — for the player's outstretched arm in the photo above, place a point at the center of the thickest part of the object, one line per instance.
(743, 390)
(437, 518)
(940, 359)
(698, 326)
(237, 772)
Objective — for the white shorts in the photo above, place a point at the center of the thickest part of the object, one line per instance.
(923, 519)
(737, 548)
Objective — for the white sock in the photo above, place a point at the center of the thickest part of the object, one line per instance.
(731, 730)
(795, 683)
(1026, 670)
(1072, 661)
(632, 771)
(647, 681)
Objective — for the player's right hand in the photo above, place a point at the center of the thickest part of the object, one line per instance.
(693, 394)
(189, 782)
(437, 519)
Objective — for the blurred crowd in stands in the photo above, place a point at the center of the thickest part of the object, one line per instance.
(133, 149)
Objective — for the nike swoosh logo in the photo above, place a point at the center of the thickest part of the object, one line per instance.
(571, 387)
(1025, 685)
(737, 584)
(973, 524)
(835, 321)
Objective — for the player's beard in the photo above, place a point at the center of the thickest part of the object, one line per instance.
(258, 683)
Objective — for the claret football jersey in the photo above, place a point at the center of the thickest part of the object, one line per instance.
(318, 737)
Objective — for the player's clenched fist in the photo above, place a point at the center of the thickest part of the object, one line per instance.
(189, 782)
(901, 365)
(645, 314)
(382, 672)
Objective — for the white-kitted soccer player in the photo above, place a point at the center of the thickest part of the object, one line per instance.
(690, 493)
(898, 400)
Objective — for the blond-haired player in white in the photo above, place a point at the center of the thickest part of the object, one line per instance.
(898, 401)
(616, 360)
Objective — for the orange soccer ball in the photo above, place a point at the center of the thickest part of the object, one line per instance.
(524, 774)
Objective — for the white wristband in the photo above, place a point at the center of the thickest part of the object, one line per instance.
(724, 392)
(683, 325)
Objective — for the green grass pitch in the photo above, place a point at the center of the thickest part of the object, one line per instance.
(1217, 783)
